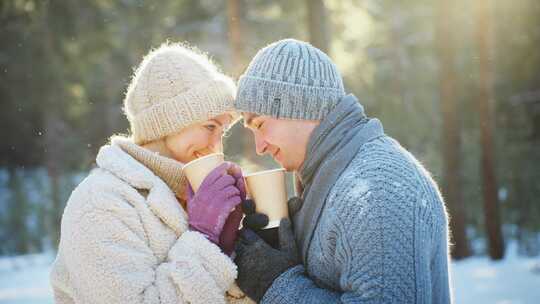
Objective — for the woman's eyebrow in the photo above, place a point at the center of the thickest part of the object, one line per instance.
(217, 121)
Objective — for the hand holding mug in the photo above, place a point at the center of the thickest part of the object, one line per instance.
(210, 206)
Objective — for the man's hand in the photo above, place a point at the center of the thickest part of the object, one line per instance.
(253, 220)
(259, 264)
(256, 221)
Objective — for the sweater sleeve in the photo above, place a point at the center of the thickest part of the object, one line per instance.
(365, 238)
(110, 263)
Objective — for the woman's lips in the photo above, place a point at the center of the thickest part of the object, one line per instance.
(205, 152)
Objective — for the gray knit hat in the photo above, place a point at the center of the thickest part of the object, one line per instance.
(290, 79)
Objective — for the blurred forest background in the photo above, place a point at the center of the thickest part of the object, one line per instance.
(456, 82)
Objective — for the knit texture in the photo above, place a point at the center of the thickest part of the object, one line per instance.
(382, 236)
(168, 169)
(331, 147)
(125, 239)
(259, 263)
(174, 87)
(290, 79)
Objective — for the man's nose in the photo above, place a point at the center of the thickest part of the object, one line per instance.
(260, 145)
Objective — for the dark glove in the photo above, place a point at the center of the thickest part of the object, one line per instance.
(294, 204)
(253, 220)
(256, 221)
(259, 264)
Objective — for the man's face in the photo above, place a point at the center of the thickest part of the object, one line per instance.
(284, 139)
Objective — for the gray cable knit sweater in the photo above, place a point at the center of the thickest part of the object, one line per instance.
(381, 236)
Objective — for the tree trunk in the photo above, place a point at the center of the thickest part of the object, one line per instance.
(485, 99)
(451, 131)
(18, 212)
(54, 133)
(317, 25)
(235, 36)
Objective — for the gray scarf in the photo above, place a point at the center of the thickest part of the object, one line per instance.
(332, 146)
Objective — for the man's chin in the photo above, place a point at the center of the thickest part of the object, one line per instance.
(285, 166)
(278, 159)
(288, 169)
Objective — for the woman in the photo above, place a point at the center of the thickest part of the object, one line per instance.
(131, 233)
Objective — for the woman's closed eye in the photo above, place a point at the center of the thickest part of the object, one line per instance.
(211, 127)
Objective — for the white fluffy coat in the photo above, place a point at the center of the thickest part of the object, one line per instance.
(125, 239)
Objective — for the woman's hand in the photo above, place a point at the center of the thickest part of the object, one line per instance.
(209, 208)
(230, 230)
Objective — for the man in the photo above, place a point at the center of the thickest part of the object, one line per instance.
(372, 227)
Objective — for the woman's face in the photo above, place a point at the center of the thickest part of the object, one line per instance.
(198, 139)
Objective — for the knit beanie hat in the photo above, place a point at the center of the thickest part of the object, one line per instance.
(290, 79)
(173, 87)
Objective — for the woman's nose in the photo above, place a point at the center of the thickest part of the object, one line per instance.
(216, 145)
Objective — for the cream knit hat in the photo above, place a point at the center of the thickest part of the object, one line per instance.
(173, 87)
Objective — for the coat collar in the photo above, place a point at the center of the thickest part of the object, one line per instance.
(161, 199)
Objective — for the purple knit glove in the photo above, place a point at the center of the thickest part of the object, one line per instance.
(230, 230)
(209, 208)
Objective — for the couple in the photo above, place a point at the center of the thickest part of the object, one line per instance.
(369, 225)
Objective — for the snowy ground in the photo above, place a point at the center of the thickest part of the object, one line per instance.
(516, 280)
(25, 279)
